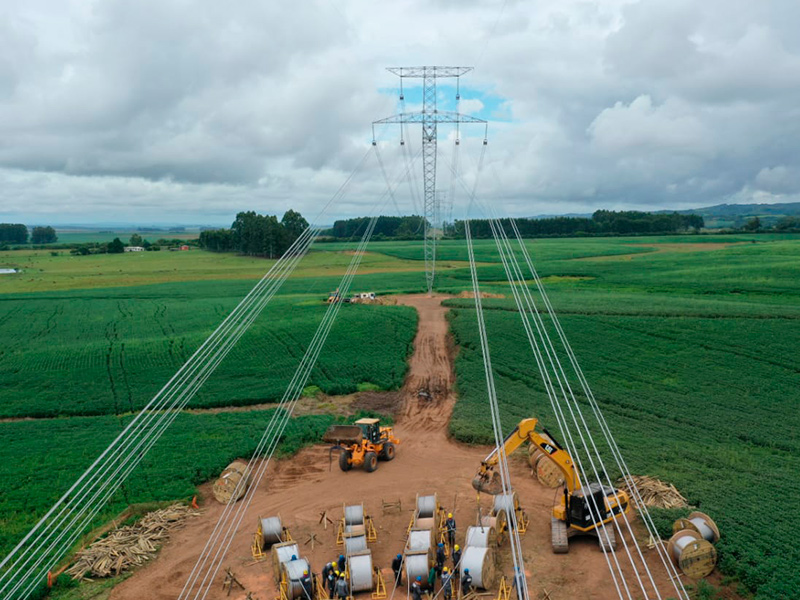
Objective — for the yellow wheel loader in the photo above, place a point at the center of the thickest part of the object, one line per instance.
(362, 444)
(577, 510)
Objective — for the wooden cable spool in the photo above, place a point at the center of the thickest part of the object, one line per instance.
(418, 564)
(359, 566)
(505, 503)
(481, 537)
(499, 524)
(427, 506)
(271, 532)
(293, 570)
(547, 473)
(480, 562)
(695, 556)
(354, 515)
(425, 523)
(232, 482)
(281, 554)
(419, 540)
(701, 523)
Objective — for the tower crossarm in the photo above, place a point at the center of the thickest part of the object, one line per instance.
(437, 117)
(429, 71)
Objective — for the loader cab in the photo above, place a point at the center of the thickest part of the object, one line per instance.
(371, 429)
(582, 503)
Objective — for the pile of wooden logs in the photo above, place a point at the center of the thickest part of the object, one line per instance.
(129, 546)
(655, 492)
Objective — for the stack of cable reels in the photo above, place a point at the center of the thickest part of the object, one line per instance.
(293, 571)
(359, 566)
(281, 554)
(232, 483)
(419, 540)
(481, 565)
(354, 519)
(691, 546)
(418, 564)
(271, 532)
(427, 506)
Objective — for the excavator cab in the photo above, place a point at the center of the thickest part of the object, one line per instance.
(586, 502)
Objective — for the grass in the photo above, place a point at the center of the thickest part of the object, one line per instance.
(691, 353)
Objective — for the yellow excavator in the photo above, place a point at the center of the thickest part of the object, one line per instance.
(576, 512)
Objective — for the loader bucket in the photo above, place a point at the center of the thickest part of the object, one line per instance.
(488, 483)
(343, 434)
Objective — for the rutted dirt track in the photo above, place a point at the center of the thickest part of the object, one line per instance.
(300, 488)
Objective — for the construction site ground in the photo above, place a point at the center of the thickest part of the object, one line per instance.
(302, 487)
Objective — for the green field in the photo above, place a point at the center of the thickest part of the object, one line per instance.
(688, 342)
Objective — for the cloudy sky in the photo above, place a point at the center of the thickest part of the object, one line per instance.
(159, 111)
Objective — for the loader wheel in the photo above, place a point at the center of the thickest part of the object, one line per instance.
(388, 451)
(370, 462)
(558, 536)
(344, 460)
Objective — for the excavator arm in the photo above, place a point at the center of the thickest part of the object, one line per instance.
(487, 480)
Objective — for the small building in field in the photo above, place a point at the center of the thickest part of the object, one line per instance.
(185, 247)
(134, 249)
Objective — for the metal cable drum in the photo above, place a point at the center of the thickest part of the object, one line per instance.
(282, 553)
(271, 531)
(505, 502)
(418, 564)
(426, 506)
(481, 537)
(294, 573)
(360, 568)
(480, 562)
(425, 523)
(419, 540)
(355, 542)
(354, 515)
(227, 488)
(701, 523)
(695, 556)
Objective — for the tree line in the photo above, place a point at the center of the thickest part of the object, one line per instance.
(256, 235)
(400, 228)
(17, 233)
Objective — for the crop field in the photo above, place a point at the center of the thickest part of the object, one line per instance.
(689, 344)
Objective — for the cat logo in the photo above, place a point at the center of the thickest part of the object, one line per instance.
(548, 448)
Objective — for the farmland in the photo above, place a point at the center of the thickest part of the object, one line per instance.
(689, 344)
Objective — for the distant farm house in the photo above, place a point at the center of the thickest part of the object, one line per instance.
(134, 249)
(184, 247)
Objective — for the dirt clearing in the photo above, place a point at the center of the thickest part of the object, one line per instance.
(299, 489)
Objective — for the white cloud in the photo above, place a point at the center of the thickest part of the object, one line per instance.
(147, 109)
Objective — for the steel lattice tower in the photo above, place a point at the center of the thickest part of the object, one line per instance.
(430, 118)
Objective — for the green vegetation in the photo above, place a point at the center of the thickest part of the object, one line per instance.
(256, 235)
(692, 357)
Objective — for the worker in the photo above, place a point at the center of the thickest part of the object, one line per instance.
(450, 524)
(341, 588)
(432, 579)
(305, 581)
(439, 558)
(456, 558)
(518, 583)
(397, 567)
(325, 570)
(466, 583)
(341, 563)
(416, 589)
(447, 584)
(331, 581)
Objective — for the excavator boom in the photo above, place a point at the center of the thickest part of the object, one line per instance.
(487, 480)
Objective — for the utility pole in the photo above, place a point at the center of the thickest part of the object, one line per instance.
(430, 118)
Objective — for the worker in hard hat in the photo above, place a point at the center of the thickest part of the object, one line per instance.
(447, 584)
(305, 582)
(466, 583)
(325, 570)
(440, 558)
(416, 588)
(330, 581)
(341, 588)
(450, 524)
(456, 558)
(341, 563)
(397, 567)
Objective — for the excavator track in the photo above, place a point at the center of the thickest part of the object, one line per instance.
(607, 538)
(559, 537)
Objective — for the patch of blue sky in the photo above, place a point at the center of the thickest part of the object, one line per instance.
(479, 103)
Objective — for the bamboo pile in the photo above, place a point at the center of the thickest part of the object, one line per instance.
(129, 546)
(655, 492)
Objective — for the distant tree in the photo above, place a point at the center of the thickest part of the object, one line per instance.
(43, 235)
(136, 240)
(116, 246)
(13, 233)
(294, 223)
(753, 224)
(788, 223)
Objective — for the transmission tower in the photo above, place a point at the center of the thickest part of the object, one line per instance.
(430, 118)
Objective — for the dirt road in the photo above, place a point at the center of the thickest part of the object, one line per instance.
(301, 488)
